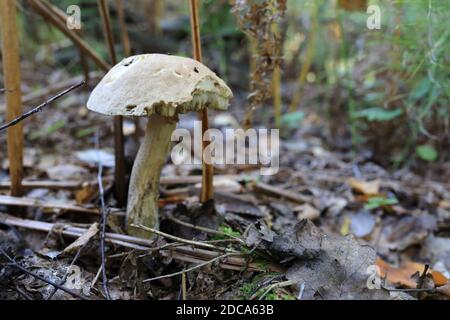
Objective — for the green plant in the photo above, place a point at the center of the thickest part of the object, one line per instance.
(427, 152)
(377, 202)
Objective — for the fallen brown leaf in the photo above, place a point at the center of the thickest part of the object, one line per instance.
(85, 194)
(82, 240)
(369, 188)
(403, 275)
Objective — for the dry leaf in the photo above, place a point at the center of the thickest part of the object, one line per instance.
(82, 240)
(369, 188)
(403, 275)
(86, 193)
(306, 211)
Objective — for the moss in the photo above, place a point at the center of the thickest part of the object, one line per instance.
(227, 230)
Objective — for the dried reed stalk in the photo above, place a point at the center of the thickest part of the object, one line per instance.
(11, 70)
(207, 191)
(119, 172)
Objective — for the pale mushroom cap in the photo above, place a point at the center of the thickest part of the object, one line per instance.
(157, 83)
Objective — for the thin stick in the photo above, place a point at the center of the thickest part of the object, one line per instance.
(72, 184)
(53, 184)
(190, 242)
(431, 290)
(276, 88)
(296, 99)
(189, 269)
(44, 93)
(22, 292)
(261, 187)
(104, 13)
(11, 69)
(160, 248)
(104, 212)
(207, 190)
(40, 107)
(276, 286)
(207, 230)
(123, 28)
(94, 281)
(126, 44)
(51, 204)
(119, 171)
(31, 273)
(276, 92)
(183, 286)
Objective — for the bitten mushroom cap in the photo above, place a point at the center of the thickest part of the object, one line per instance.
(145, 84)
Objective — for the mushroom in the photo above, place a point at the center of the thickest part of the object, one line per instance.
(160, 87)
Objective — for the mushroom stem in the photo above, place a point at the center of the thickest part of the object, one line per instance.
(142, 208)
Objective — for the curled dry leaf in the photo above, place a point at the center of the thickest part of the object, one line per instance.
(368, 188)
(403, 276)
(82, 240)
(86, 193)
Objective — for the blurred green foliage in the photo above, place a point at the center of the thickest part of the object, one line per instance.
(398, 76)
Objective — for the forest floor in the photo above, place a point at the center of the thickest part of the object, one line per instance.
(328, 225)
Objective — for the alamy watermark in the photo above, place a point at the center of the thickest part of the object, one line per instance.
(73, 21)
(231, 147)
(374, 20)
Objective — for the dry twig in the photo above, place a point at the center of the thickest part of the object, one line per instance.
(207, 190)
(203, 229)
(189, 269)
(119, 170)
(190, 242)
(40, 107)
(54, 205)
(104, 212)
